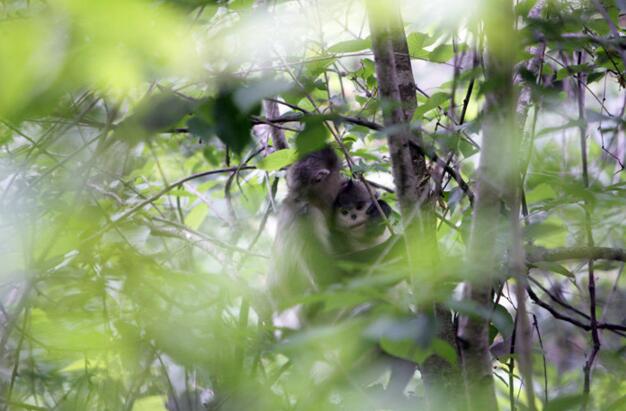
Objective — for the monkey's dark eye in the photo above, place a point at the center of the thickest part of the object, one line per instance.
(360, 206)
(344, 211)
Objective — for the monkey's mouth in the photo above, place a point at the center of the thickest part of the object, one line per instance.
(356, 225)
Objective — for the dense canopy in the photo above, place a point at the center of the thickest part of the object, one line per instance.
(143, 153)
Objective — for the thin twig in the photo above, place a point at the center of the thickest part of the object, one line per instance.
(172, 186)
(595, 337)
(543, 356)
(512, 364)
(558, 300)
(556, 314)
(616, 328)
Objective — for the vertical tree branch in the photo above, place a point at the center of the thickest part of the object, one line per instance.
(497, 173)
(595, 337)
(394, 118)
(412, 179)
(278, 135)
(523, 332)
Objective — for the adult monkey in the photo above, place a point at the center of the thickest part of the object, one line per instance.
(302, 251)
(304, 256)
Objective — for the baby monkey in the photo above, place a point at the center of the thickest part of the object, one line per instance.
(357, 223)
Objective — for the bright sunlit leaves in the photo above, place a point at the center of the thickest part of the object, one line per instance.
(110, 45)
(134, 282)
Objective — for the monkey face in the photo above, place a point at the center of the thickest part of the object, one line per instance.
(352, 216)
(357, 219)
(351, 207)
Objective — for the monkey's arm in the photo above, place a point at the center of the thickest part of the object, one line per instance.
(302, 259)
(390, 251)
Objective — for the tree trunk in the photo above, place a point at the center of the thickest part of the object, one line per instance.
(497, 174)
(278, 136)
(412, 180)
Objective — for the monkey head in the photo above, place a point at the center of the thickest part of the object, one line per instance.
(356, 213)
(316, 178)
(351, 206)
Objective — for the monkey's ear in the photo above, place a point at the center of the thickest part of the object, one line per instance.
(320, 175)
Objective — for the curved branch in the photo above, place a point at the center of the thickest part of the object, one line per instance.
(617, 328)
(164, 191)
(539, 254)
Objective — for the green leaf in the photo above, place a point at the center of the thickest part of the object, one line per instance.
(499, 317)
(278, 159)
(416, 42)
(618, 405)
(523, 7)
(551, 130)
(574, 69)
(196, 217)
(595, 76)
(538, 230)
(555, 268)
(445, 350)
(212, 155)
(313, 137)
(316, 67)
(249, 97)
(154, 114)
(368, 68)
(351, 46)
(405, 348)
(200, 128)
(343, 300)
(227, 115)
(442, 53)
(349, 139)
(564, 403)
(503, 321)
(232, 124)
(240, 4)
(434, 101)
(541, 192)
(151, 403)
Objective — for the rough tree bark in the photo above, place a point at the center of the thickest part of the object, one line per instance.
(412, 179)
(278, 135)
(497, 174)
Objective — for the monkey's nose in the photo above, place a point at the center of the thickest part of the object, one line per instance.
(353, 216)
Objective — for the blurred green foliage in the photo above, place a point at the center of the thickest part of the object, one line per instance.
(138, 207)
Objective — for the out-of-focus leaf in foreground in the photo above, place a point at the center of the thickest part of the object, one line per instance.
(109, 45)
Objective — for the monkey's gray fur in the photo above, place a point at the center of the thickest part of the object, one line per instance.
(302, 252)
